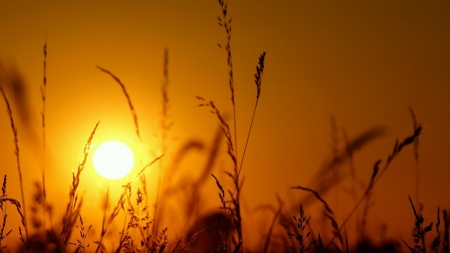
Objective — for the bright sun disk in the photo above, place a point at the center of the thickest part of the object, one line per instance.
(113, 160)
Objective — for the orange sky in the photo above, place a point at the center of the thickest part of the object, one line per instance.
(363, 63)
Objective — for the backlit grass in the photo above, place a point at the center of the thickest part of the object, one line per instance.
(138, 220)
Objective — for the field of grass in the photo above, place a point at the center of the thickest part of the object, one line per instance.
(137, 220)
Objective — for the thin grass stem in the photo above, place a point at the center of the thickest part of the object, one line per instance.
(104, 225)
(416, 155)
(130, 104)
(43, 95)
(377, 175)
(258, 81)
(16, 144)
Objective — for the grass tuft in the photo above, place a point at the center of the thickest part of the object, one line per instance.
(419, 233)
(302, 222)
(4, 199)
(74, 206)
(329, 214)
(81, 244)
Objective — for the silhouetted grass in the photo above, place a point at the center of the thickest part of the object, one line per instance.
(329, 214)
(130, 104)
(446, 244)
(420, 232)
(272, 224)
(16, 152)
(73, 208)
(165, 125)
(225, 22)
(81, 243)
(3, 200)
(377, 173)
(143, 228)
(43, 95)
(303, 235)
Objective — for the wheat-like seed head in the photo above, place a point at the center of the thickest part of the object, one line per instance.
(259, 74)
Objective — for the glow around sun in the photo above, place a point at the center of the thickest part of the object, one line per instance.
(113, 160)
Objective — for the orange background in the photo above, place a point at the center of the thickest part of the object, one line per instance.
(363, 63)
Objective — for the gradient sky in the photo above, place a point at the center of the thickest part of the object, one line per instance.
(365, 63)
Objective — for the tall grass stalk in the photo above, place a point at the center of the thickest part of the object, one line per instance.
(258, 80)
(225, 22)
(74, 206)
(43, 95)
(165, 124)
(16, 145)
(416, 155)
(235, 195)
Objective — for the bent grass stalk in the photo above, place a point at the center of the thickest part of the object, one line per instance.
(272, 225)
(16, 152)
(328, 214)
(376, 175)
(130, 104)
(165, 127)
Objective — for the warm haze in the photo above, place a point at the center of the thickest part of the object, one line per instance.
(362, 63)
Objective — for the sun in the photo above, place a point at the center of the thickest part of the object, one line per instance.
(113, 160)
